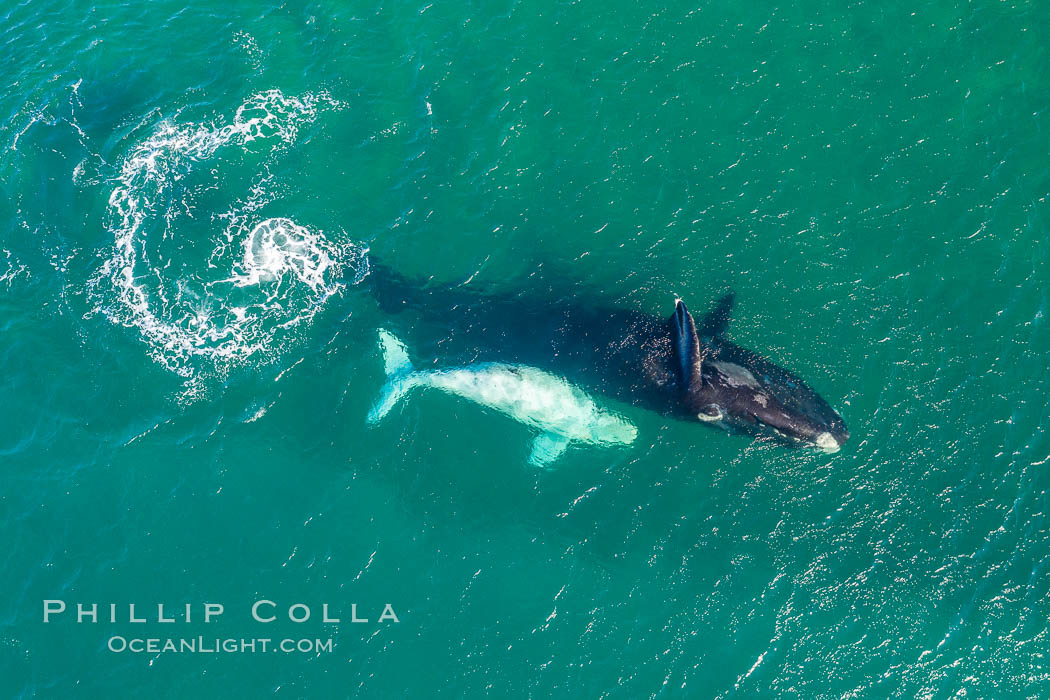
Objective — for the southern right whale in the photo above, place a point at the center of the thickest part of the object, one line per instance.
(674, 365)
(558, 410)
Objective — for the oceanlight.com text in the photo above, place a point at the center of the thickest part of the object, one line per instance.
(218, 645)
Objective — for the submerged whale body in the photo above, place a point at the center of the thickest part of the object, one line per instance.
(674, 365)
(560, 411)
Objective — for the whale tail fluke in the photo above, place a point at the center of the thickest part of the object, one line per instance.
(395, 356)
(399, 376)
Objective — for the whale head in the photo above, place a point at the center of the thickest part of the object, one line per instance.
(744, 391)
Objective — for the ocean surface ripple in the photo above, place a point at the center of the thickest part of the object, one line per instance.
(190, 196)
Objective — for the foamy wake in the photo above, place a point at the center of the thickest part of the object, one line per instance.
(278, 273)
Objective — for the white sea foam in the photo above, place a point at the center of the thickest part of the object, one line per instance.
(277, 248)
(279, 272)
(13, 270)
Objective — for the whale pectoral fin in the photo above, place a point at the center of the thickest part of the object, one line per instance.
(688, 357)
(546, 448)
(715, 322)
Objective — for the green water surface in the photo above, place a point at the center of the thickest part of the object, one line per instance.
(870, 178)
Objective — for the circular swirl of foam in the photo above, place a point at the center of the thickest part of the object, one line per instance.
(161, 275)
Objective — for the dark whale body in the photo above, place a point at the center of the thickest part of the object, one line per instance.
(674, 366)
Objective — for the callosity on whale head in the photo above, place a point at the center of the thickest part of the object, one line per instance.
(723, 384)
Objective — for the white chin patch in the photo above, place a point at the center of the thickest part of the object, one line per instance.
(826, 442)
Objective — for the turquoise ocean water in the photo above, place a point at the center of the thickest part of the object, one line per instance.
(187, 353)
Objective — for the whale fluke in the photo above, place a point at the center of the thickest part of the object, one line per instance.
(395, 355)
(399, 376)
